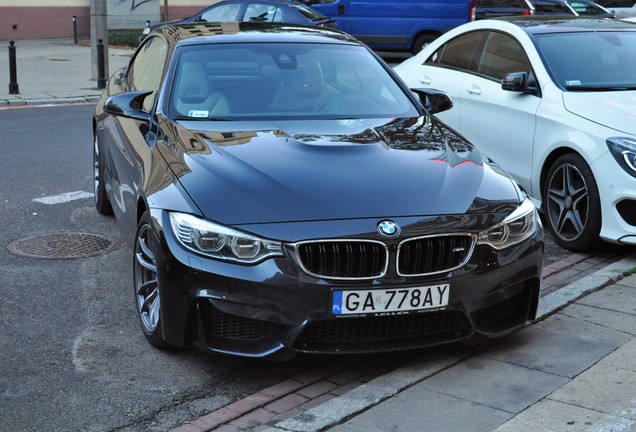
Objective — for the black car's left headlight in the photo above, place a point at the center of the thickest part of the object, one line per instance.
(220, 242)
(518, 226)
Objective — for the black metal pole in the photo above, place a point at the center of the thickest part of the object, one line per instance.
(13, 73)
(75, 29)
(101, 73)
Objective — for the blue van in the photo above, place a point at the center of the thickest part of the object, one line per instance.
(396, 25)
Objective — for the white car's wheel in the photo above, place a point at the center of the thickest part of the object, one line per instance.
(571, 203)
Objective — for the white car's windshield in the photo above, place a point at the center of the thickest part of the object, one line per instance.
(287, 80)
(591, 60)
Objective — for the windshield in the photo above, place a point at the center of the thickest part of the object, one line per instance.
(591, 60)
(284, 80)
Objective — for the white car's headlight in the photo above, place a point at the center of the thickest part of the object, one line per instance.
(624, 151)
(520, 225)
(217, 241)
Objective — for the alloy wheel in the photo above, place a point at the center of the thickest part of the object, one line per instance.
(146, 284)
(568, 203)
(102, 204)
(96, 174)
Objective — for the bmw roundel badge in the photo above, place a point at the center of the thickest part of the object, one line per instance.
(388, 228)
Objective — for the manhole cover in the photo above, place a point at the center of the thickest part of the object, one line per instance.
(62, 245)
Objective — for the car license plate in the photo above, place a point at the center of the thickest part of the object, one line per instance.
(389, 300)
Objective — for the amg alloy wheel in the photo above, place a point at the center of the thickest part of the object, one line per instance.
(571, 203)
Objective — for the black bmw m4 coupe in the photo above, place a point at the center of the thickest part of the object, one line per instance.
(284, 192)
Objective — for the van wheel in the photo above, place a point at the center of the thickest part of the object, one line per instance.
(421, 41)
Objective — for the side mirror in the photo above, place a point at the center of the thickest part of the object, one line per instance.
(521, 82)
(515, 82)
(434, 101)
(129, 105)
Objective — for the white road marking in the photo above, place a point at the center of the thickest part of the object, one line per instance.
(76, 358)
(63, 198)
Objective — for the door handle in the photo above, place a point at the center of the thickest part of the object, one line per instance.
(341, 9)
(473, 89)
(424, 79)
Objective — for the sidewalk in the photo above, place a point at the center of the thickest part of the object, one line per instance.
(53, 72)
(574, 369)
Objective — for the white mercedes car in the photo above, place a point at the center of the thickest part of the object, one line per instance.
(553, 101)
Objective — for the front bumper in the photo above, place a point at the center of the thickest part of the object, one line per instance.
(274, 308)
(617, 192)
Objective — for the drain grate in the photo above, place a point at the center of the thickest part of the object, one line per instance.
(62, 245)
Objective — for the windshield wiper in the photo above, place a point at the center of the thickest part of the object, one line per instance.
(186, 118)
(599, 88)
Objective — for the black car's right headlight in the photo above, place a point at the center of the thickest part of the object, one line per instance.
(518, 226)
(220, 242)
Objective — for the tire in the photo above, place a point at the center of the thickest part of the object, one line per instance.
(421, 41)
(146, 284)
(571, 203)
(102, 204)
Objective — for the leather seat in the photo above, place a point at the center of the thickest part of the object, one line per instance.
(195, 97)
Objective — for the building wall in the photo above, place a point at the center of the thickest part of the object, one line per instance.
(43, 19)
(19, 22)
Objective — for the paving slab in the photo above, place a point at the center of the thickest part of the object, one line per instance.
(619, 298)
(495, 384)
(603, 388)
(553, 416)
(542, 346)
(566, 295)
(625, 323)
(418, 409)
(623, 357)
(356, 401)
(629, 281)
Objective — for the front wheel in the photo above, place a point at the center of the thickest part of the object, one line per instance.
(571, 203)
(146, 283)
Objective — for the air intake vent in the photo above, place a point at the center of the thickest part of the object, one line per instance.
(369, 334)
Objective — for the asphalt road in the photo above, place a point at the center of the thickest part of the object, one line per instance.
(73, 356)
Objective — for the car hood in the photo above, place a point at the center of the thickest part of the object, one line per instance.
(292, 171)
(616, 109)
